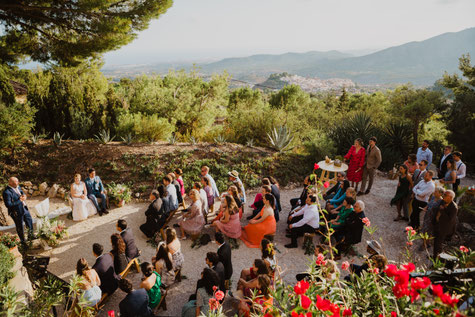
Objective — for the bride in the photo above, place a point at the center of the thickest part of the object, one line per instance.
(82, 206)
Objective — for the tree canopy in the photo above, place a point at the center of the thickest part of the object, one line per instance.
(70, 31)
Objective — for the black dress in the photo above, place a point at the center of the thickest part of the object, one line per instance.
(120, 262)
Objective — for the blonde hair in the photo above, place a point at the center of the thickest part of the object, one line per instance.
(195, 193)
(206, 168)
(350, 191)
(77, 174)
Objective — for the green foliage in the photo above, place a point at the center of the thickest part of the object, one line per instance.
(16, 122)
(58, 139)
(280, 138)
(7, 260)
(7, 94)
(128, 138)
(104, 137)
(145, 128)
(118, 192)
(289, 98)
(70, 31)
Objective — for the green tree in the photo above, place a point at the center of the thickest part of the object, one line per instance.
(289, 98)
(16, 122)
(460, 114)
(416, 107)
(70, 31)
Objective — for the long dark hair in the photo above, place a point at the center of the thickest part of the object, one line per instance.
(170, 233)
(118, 244)
(147, 268)
(270, 199)
(162, 253)
(210, 279)
(346, 184)
(268, 251)
(81, 267)
(264, 283)
(231, 205)
(261, 266)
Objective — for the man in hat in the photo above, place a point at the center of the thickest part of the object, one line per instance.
(373, 248)
(234, 177)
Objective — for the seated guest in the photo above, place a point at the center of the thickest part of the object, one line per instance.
(229, 224)
(268, 254)
(164, 265)
(152, 214)
(131, 250)
(234, 177)
(82, 206)
(352, 230)
(344, 212)
(411, 163)
(95, 189)
(261, 225)
(174, 247)
(259, 202)
(224, 253)
(118, 253)
(232, 192)
(151, 282)
(248, 283)
(203, 198)
(178, 173)
(199, 306)
(89, 284)
(295, 202)
(333, 213)
(171, 189)
(193, 221)
(135, 303)
(427, 226)
(259, 267)
(338, 197)
(329, 194)
(373, 249)
(104, 267)
(276, 192)
(444, 220)
(309, 222)
(212, 259)
(205, 182)
(262, 302)
(177, 188)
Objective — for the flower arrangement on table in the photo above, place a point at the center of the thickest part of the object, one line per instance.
(9, 240)
(119, 193)
(52, 231)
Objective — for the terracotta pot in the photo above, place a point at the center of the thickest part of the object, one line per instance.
(121, 203)
(15, 251)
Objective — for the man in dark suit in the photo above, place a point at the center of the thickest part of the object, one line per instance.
(104, 267)
(95, 189)
(135, 303)
(15, 201)
(131, 250)
(444, 220)
(442, 167)
(224, 253)
(152, 215)
(212, 259)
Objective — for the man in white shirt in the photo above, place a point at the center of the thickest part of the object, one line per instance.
(424, 153)
(171, 189)
(308, 223)
(420, 172)
(422, 192)
(461, 169)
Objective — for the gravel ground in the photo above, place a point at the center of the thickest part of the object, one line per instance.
(292, 261)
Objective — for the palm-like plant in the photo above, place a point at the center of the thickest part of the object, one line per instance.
(172, 139)
(58, 139)
(220, 139)
(128, 139)
(193, 140)
(280, 138)
(104, 137)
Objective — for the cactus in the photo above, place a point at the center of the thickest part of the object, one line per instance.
(280, 138)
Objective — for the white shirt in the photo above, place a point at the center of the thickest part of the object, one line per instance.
(311, 216)
(424, 155)
(204, 200)
(213, 185)
(171, 189)
(423, 190)
(17, 190)
(461, 169)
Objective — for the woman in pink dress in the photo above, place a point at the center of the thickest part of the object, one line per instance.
(193, 221)
(356, 158)
(229, 224)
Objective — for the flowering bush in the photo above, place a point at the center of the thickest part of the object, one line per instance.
(52, 231)
(119, 192)
(9, 240)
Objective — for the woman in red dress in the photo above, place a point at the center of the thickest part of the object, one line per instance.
(356, 158)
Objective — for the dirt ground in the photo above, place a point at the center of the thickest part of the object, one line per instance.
(292, 261)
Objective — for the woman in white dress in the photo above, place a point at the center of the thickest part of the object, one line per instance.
(82, 206)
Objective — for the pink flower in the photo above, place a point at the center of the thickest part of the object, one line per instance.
(305, 302)
(215, 288)
(376, 270)
(345, 265)
(409, 228)
(316, 166)
(326, 184)
(213, 304)
(464, 249)
(347, 312)
(219, 295)
(366, 221)
(320, 259)
(301, 287)
(409, 243)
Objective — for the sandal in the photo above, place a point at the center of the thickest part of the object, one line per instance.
(398, 218)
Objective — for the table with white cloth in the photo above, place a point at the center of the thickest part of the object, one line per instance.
(328, 168)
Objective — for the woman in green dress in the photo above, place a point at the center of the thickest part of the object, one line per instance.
(151, 283)
(403, 193)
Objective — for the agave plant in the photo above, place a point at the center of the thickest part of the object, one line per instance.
(280, 138)
(250, 143)
(104, 137)
(172, 139)
(58, 138)
(128, 139)
(220, 139)
(35, 138)
(193, 140)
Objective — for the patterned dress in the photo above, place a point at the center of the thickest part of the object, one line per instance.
(357, 160)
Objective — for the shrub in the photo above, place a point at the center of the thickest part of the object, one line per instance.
(16, 122)
(7, 260)
(145, 128)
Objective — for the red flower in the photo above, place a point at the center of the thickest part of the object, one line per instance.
(323, 304)
(402, 277)
(414, 295)
(335, 309)
(347, 312)
(391, 270)
(448, 300)
(437, 289)
(111, 313)
(375, 270)
(345, 265)
(436, 311)
(409, 267)
(409, 243)
(219, 295)
(457, 314)
(301, 287)
(213, 304)
(464, 249)
(320, 259)
(366, 221)
(400, 290)
(393, 314)
(420, 283)
(409, 228)
(215, 288)
(316, 166)
(294, 314)
(326, 184)
(305, 302)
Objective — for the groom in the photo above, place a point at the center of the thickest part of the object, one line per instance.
(95, 190)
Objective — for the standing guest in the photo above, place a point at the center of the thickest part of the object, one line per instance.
(422, 192)
(261, 225)
(403, 193)
(450, 175)
(427, 226)
(420, 172)
(118, 253)
(442, 167)
(205, 173)
(461, 169)
(163, 264)
(234, 177)
(171, 189)
(276, 193)
(356, 159)
(151, 282)
(200, 305)
(127, 235)
(90, 283)
(229, 224)
(308, 224)
(135, 303)
(152, 214)
(203, 198)
(224, 253)
(444, 220)
(209, 192)
(424, 153)
(104, 267)
(372, 162)
(193, 221)
(174, 247)
(95, 189)
(15, 200)
(411, 163)
(82, 206)
(300, 201)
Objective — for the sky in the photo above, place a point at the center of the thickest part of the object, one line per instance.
(205, 30)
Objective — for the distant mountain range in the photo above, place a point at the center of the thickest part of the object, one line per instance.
(421, 63)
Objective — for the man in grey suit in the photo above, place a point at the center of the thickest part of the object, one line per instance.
(372, 162)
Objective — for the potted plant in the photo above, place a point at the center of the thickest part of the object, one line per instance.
(51, 232)
(119, 194)
(10, 241)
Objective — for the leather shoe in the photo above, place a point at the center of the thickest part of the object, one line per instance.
(360, 194)
(105, 212)
(291, 246)
(366, 192)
